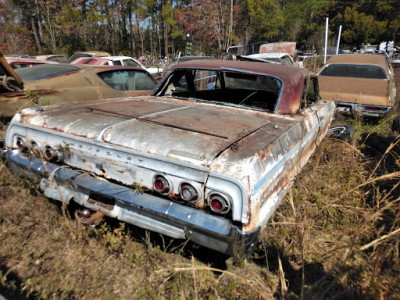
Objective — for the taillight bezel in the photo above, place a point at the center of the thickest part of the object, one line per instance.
(188, 186)
(166, 181)
(224, 200)
(21, 144)
(55, 155)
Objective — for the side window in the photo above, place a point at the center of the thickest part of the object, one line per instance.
(116, 79)
(128, 80)
(117, 62)
(130, 62)
(138, 81)
(180, 84)
(310, 92)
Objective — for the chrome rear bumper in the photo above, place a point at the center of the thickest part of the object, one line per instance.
(365, 110)
(140, 209)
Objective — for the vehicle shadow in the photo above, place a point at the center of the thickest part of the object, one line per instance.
(318, 284)
(12, 287)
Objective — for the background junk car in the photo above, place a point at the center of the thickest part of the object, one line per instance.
(116, 61)
(359, 82)
(207, 157)
(26, 62)
(49, 84)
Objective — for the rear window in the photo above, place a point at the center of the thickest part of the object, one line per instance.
(19, 65)
(45, 71)
(353, 70)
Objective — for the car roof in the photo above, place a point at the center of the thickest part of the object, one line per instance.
(286, 73)
(120, 57)
(11, 60)
(97, 60)
(370, 59)
(94, 53)
(272, 54)
(358, 59)
(46, 56)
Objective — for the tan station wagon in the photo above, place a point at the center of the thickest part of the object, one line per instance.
(361, 83)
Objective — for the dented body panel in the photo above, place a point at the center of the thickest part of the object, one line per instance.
(243, 154)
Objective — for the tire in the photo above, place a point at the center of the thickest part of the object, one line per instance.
(341, 132)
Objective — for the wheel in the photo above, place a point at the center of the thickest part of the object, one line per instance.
(341, 132)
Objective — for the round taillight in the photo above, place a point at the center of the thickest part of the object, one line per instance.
(188, 192)
(21, 144)
(35, 148)
(162, 185)
(219, 203)
(50, 154)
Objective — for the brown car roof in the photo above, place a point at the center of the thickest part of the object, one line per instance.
(292, 77)
(284, 72)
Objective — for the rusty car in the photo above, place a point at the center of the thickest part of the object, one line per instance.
(60, 58)
(359, 84)
(207, 157)
(116, 61)
(49, 84)
(26, 62)
(88, 54)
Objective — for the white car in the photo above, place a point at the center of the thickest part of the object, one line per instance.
(276, 57)
(116, 61)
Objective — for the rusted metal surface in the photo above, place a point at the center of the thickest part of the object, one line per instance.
(249, 156)
(286, 47)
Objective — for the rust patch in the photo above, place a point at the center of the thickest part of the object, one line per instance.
(284, 47)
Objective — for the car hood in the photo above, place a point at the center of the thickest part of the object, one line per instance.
(174, 129)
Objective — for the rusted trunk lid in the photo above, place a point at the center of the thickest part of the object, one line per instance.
(174, 129)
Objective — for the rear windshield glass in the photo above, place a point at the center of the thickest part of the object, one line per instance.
(223, 87)
(45, 71)
(353, 70)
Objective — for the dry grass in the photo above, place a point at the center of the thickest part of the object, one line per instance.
(335, 236)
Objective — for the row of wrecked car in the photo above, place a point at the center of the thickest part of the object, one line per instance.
(207, 155)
